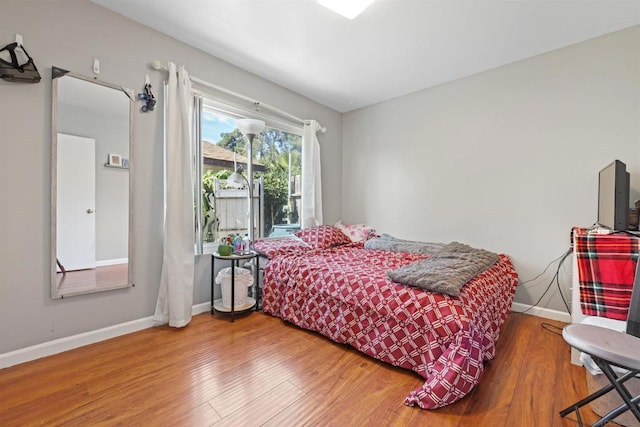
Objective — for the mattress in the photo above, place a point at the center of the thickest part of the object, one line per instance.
(344, 293)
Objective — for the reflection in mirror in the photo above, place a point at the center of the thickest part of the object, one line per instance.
(91, 183)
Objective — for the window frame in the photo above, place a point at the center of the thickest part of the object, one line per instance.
(205, 100)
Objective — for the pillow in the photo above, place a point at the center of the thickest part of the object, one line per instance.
(356, 232)
(323, 236)
(387, 242)
(272, 246)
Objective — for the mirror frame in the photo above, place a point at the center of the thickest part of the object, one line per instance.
(57, 73)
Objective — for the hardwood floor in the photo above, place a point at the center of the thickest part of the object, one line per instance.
(93, 278)
(261, 371)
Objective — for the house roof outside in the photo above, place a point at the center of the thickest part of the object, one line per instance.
(215, 155)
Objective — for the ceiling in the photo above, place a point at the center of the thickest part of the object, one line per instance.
(393, 48)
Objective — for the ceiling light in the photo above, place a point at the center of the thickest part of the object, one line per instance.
(347, 8)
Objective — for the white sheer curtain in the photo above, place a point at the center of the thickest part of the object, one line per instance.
(175, 298)
(311, 177)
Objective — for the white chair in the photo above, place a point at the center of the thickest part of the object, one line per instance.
(609, 348)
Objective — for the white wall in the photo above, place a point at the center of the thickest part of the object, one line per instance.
(70, 34)
(505, 160)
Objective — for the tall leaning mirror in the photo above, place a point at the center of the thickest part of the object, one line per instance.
(91, 185)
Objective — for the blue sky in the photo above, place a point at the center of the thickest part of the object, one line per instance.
(213, 125)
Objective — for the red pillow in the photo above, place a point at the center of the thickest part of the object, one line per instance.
(273, 246)
(323, 236)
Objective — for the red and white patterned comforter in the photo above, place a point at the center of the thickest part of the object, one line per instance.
(344, 293)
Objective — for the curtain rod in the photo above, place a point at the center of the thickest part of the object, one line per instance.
(158, 65)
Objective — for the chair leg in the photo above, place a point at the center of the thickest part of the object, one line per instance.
(615, 412)
(630, 402)
(569, 409)
(593, 396)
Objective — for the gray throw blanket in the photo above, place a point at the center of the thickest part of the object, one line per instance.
(447, 271)
(387, 242)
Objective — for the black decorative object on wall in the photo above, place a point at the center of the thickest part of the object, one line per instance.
(147, 97)
(16, 65)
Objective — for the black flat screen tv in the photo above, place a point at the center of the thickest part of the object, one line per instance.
(613, 196)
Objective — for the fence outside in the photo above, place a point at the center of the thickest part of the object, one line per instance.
(230, 213)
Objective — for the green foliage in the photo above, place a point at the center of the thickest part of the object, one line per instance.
(234, 141)
(275, 194)
(273, 148)
(223, 174)
(207, 189)
(207, 181)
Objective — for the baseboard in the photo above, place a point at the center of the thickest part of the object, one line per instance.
(68, 343)
(115, 261)
(541, 312)
(201, 308)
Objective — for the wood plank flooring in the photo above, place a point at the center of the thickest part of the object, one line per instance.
(94, 278)
(261, 371)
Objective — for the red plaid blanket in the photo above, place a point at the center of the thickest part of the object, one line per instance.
(606, 271)
(345, 294)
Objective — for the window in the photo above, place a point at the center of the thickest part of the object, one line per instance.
(277, 153)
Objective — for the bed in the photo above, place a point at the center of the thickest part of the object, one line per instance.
(341, 289)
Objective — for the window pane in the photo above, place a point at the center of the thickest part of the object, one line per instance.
(281, 153)
(276, 164)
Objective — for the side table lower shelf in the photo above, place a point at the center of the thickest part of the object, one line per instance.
(217, 306)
